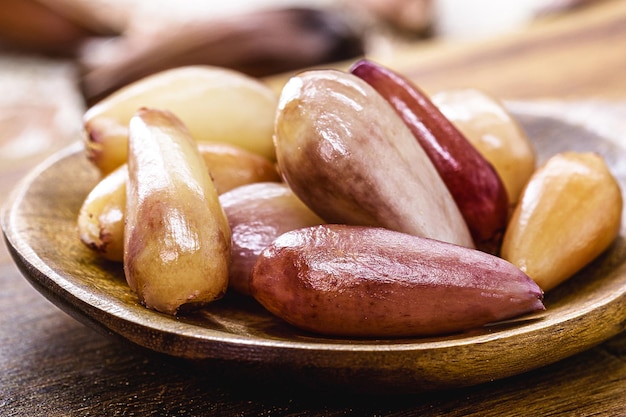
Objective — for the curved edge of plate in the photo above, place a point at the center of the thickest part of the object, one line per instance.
(496, 354)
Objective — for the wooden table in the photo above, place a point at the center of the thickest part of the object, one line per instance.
(51, 365)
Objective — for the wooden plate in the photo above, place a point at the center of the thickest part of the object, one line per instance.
(39, 227)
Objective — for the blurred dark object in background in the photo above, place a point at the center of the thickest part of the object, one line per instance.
(259, 43)
(407, 18)
(48, 27)
(116, 42)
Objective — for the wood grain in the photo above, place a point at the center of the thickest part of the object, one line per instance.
(248, 342)
(53, 365)
(578, 57)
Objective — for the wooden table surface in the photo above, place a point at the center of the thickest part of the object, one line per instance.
(51, 365)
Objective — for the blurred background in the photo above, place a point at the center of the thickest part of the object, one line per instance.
(58, 57)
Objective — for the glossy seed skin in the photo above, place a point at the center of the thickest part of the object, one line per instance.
(371, 282)
(495, 133)
(569, 213)
(101, 217)
(474, 184)
(176, 236)
(215, 104)
(257, 214)
(349, 157)
(231, 166)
